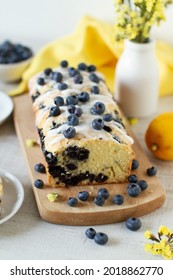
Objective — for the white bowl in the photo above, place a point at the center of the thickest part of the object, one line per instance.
(13, 72)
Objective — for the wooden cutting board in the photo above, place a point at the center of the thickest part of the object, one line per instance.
(85, 213)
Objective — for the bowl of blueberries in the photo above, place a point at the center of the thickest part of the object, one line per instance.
(14, 59)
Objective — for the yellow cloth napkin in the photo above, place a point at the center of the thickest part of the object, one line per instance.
(92, 42)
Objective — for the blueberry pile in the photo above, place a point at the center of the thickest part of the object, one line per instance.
(12, 53)
(99, 237)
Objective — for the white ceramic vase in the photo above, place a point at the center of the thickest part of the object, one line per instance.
(137, 79)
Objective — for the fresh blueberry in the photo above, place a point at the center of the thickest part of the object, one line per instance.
(55, 111)
(73, 72)
(47, 71)
(101, 238)
(71, 109)
(38, 184)
(57, 77)
(72, 100)
(91, 68)
(90, 233)
(133, 189)
(72, 119)
(72, 201)
(64, 63)
(132, 178)
(103, 192)
(82, 66)
(118, 199)
(98, 124)
(83, 195)
(39, 167)
(78, 79)
(135, 164)
(94, 78)
(41, 81)
(69, 133)
(62, 86)
(83, 96)
(59, 101)
(99, 200)
(78, 111)
(98, 108)
(151, 171)
(95, 90)
(107, 117)
(133, 224)
(143, 184)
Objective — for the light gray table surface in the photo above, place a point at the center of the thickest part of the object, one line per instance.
(26, 236)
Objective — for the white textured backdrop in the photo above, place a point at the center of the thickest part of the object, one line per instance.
(46, 20)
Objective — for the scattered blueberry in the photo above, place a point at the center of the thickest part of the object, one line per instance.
(70, 132)
(151, 171)
(94, 78)
(118, 199)
(101, 238)
(38, 184)
(72, 201)
(72, 119)
(95, 90)
(98, 124)
(72, 100)
(71, 109)
(82, 66)
(83, 96)
(78, 79)
(62, 86)
(90, 233)
(103, 192)
(39, 167)
(99, 200)
(47, 71)
(57, 77)
(98, 108)
(41, 81)
(59, 101)
(64, 63)
(78, 111)
(133, 224)
(107, 117)
(132, 178)
(91, 68)
(143, 184)
(83, 195)
(133, 189)
(55, 111)
(135, 164)
(73, 72)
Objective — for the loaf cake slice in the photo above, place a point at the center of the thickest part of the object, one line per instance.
(1, 194)
(81, 129)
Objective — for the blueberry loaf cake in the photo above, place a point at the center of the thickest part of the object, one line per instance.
(81, 130)
(1, 194)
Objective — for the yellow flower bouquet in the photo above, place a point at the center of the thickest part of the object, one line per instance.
(136, 17)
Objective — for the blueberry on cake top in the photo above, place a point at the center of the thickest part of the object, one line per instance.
(81, 129)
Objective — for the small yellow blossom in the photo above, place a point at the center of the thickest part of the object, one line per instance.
(163, 246)
(165, 231)
(31, 142)
(133, 121)
(52, 196)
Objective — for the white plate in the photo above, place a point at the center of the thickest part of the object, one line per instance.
(6, 107)
(13, 196)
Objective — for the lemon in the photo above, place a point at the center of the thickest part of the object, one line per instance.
(159, 136)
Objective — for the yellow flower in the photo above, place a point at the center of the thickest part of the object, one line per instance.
(150, 4)
(148, 234)
(165, 231)
(148, 248)
(52, 196)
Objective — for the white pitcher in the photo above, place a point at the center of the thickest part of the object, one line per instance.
(137, 79)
